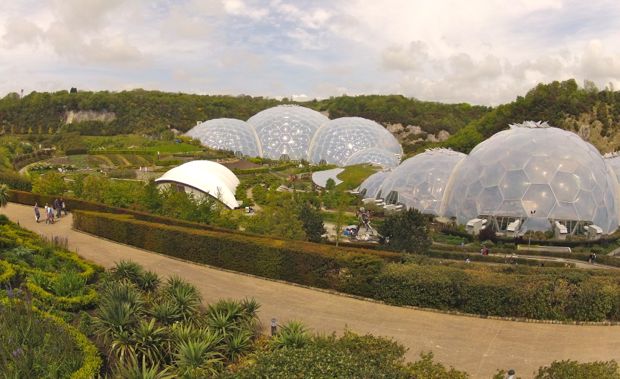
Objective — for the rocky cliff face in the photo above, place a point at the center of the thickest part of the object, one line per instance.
(597, 127)
(81, 116)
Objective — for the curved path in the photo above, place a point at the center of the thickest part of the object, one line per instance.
(479, 346)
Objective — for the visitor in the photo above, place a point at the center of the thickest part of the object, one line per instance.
(511, 374)
(467, 261)
(590, 258)
(51, 214)
(593, 257)
(57, 207)
(47, 214)
(37, 213)
(63, 205)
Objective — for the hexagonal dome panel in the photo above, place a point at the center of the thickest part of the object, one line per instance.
(534, 167)
(420, 181)
(371, 187)
(286, 130)
(339, 139)
(227, 134)
(375, 156)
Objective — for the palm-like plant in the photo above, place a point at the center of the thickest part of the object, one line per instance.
(238, 343)
(135, 370)
(150, 342)
(182, 332)
(122, 346)
(197, 359)
(4, 195)
(148, 281)
(222, 321)
(127, 270)
(292, 335)
(114, 318)
(165, 311)
(185, 296)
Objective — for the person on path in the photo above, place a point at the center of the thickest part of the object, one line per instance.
(50, 215)
(37, 212)
(47, 214)
(57, 207)
(63, 205)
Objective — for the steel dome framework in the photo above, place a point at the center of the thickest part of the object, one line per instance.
(228, 134)
(337, 140)
(419, 182)
(285, 131)
(536, 173)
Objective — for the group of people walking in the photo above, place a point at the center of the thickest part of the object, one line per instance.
(52, 212)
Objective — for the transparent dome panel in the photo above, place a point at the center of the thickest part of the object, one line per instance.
(227, 134)
(420, 181)
(535, 172)
(286, 130)
(337, 140)
(371, 187)
(374, 156)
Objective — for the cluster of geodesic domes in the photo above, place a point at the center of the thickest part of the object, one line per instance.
(295, 133)
(531, 172)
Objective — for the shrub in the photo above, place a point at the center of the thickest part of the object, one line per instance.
(406, 231)
(574, 370)
(15, 180)
(28, 351)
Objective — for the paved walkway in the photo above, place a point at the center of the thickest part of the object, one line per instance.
(476, 345)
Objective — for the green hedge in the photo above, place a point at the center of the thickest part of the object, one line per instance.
(74, 303)
(295, 261)
(549, 293)
(15, 180)
(91, 361)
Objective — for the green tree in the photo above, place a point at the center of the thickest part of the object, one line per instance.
(280, 221)
(406, 231)
(312, 221)
(574, 370)
(4, 195)
(51, 183)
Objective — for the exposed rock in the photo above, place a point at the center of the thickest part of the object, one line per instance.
(443, 135)
(81, 116)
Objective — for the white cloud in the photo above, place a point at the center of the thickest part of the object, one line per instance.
(481, 51)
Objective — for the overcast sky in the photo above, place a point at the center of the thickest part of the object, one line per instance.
(477, 51)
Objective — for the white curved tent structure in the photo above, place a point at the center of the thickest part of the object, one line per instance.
(205, 177)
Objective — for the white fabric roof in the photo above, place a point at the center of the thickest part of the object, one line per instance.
(209, 177)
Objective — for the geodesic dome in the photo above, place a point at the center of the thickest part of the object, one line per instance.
(227, 134)
(371, 187)
(286, 130)
(204, 177)
(537, 173)
(613, 161)
(419, 182)
(375, 156)
(339, 139)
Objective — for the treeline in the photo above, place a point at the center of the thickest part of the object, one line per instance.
(140, 111)
(562, 104)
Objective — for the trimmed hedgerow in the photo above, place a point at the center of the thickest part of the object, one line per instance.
(91, 360)
(66, 303)
(550, 293)
(294, 261)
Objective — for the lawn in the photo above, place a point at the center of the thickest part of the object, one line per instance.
(353, 176)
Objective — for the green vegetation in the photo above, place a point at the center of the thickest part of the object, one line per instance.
(350, 356)
(400, 279)
(353, 176)
(406, 231)
(575, 370)
(562, 104)
(41, 277)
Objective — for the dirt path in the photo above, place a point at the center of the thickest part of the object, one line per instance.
(477, 345)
